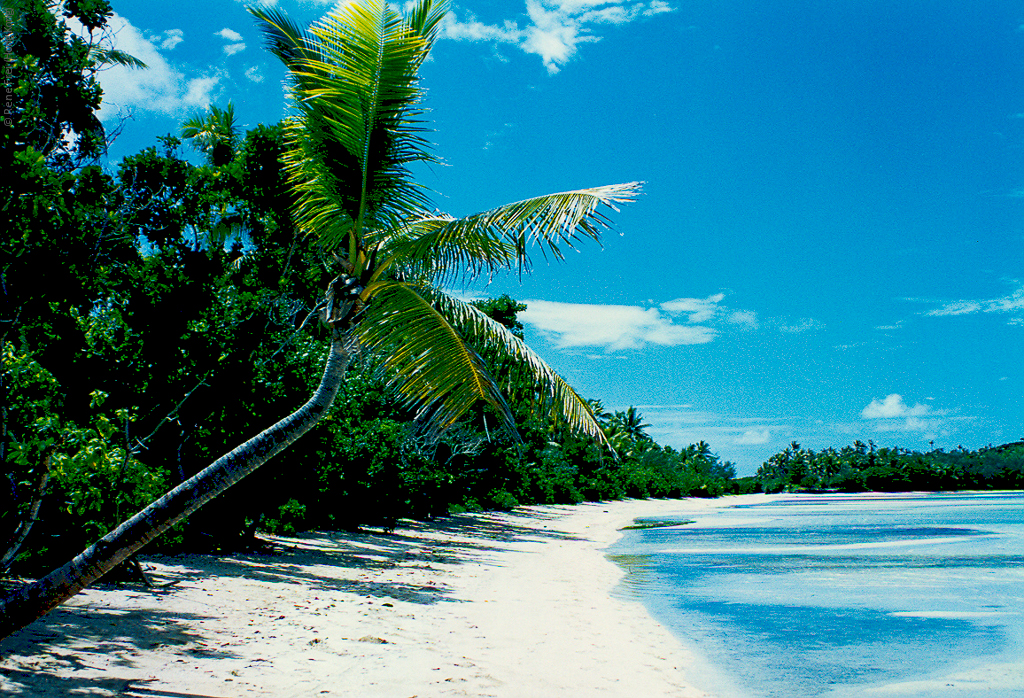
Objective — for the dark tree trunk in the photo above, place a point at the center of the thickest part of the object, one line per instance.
(32, 601)
(22, 531)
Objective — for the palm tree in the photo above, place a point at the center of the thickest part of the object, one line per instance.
(356, 129)
(631, 423)
(215, 133)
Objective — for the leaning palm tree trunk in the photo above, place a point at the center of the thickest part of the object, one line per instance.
(34, 600)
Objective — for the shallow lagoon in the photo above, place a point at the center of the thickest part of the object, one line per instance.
(842, 595)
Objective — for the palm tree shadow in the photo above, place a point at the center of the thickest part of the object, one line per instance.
(48, 663)
(317, 559)
(43, 655)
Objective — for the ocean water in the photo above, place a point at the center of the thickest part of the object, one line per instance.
(845, 595)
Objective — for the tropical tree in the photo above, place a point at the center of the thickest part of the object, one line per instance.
(59, 246)
(357, 127)
(214, 133)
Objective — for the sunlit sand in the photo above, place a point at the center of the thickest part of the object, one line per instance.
(515, 604)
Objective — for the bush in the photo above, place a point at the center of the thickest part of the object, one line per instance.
(291, 518)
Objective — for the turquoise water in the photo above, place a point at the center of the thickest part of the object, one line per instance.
(847, 595)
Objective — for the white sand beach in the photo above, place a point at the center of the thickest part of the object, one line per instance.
(494, 604)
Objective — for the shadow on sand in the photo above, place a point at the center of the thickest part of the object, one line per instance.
(30, 659)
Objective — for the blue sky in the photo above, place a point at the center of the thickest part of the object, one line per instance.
(830, 243)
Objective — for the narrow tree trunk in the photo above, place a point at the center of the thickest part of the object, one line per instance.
(21, 607)
(21, 533)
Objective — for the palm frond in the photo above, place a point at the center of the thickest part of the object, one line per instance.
(429, 247)
(442, 248)
(552, 222)
(422, 357)
(358, 126)
(283, 37)
(550, 396)
(105, 56)
(214, 132)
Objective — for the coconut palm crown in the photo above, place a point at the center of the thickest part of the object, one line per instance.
(357, 127)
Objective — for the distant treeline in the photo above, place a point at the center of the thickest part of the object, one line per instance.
(867, 467)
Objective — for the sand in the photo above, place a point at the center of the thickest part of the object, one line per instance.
(492, 604)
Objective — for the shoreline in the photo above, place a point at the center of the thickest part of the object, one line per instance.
(489, 604)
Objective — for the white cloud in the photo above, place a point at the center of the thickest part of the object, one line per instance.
(198, 91)
(753, 437)
(803, 325)
(893, 407)
(1012, 304)
(1008, 304)
(472, 30)
(254, 74)
(172, 37)
(676, 322)
(555, 28)
(657, 7)
(613, 327)
(956, 308)
(236, 45)
(699, 309)
(744, 318)
(160, 87)
(229, 34)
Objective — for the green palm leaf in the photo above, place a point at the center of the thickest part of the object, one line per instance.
(417, 336)
(355, 84)
(551, 396)
(103, 56)
(499, 239)
(423, 357)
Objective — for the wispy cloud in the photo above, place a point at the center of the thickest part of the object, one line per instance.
(802, 325)
(554, 28)
(612, 327)
(681, 425)
(236, 45)
(1012, 304)
(698, 309)
(677, 322)
(159, 88)
(744, 318)
(172, 37)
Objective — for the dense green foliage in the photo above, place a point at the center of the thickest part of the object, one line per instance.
(865, 467)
